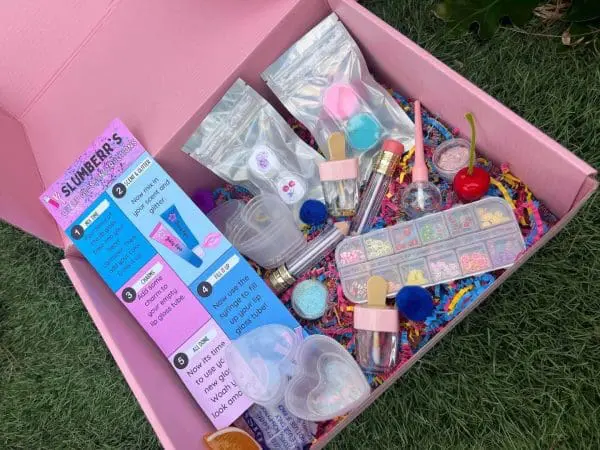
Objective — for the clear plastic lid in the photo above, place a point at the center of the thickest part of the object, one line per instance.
(463, 241)
(317, 378)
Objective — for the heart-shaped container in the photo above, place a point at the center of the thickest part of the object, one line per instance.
(316, 377)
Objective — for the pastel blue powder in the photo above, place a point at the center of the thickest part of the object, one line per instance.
(363, 132)
(309, 299)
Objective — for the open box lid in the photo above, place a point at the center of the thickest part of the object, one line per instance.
(160, 67)
(69, 68)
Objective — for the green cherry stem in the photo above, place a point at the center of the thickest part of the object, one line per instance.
(471, 121)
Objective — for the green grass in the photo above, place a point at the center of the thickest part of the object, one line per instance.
(520, 372)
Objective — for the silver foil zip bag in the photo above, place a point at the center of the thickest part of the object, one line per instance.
(246, 142)
(323, 80)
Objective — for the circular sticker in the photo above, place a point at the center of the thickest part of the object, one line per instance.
(263, 162)
(291, 188)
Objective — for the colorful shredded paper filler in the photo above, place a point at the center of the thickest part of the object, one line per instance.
(450, 299)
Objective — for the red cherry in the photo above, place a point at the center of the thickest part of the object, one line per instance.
(471, 183)
(286, 188)
(471, 187)
(292, 183)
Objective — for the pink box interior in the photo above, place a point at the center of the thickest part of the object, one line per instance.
(160, 67)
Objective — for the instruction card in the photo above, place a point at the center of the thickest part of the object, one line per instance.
(166, 262)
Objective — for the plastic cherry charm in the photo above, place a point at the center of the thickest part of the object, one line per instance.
(471, 183)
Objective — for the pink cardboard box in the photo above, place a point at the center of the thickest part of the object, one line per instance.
(70, 67)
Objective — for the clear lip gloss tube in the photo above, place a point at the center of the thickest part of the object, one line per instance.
(286, 275)
(339, 179)
(377, 330)
(384, 167)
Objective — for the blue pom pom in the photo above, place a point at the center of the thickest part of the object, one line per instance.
(313, 212)
(415, 303)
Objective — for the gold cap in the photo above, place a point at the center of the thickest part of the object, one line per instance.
(281, 279)
(387, 163)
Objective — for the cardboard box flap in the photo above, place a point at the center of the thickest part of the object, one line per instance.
(37, 39)
(151, 63)
(21, 184)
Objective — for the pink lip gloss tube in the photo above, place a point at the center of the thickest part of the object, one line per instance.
(339, 179)
(384, 167)
(377, 329)
(164, 236)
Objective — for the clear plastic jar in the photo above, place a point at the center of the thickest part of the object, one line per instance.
(451, 156)
(376, 351)
(339, 180)
(377, 334)
(341, 197)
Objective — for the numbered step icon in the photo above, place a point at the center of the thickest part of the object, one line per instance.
(77, 232)
(119, 190)
(181, 360)
(128, 295)
(205, 289)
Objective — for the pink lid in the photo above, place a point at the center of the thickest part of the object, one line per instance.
(393, 146)
(340, 100)
(344, 169)
(376, 319)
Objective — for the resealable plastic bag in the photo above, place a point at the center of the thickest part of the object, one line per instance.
(246, 142)
(323, 80)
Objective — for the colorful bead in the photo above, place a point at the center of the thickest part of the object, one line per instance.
(475, 261)
(376, 248)
(416, 277)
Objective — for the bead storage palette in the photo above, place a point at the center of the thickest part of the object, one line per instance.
(460, 242)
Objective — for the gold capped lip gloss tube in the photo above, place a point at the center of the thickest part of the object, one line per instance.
(287, 274)
(384, 167)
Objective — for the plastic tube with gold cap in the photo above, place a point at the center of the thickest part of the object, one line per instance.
(315, 251)
(384, 167)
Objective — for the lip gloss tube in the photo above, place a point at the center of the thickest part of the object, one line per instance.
(339, 179)
(287, 274)
(377, 330)
(384, 167)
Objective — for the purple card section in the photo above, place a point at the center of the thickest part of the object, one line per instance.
(163, 305)
(200, 363)
(105, 160)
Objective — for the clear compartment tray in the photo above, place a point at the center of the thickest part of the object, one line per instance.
(460, 242)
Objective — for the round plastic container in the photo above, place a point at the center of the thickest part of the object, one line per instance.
(265, 231)
(223, 214)
(266, 210)
(309, 299)
(451, 156)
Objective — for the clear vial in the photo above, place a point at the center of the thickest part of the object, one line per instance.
(341, 197)
(420, 198)
(376, 351)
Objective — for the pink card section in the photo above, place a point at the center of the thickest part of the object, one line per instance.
(83, 182)
(166, 401)
(163, 305)
(200, 362)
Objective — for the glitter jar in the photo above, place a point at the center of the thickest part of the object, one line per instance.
(309, 299)
(377, 338)
(451, 156)
(339, 180)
